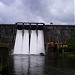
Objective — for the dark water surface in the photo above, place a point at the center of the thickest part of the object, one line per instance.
(40, 65)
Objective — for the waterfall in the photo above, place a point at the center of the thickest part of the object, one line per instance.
(33, 42)
(36, 42)
(41, 48)
(25, 47)
(18, 42)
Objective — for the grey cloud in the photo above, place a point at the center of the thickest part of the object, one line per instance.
(7, 2)
(52, 9)
(56, 11)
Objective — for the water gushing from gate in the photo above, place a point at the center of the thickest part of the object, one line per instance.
(18, 42)
(36, 42)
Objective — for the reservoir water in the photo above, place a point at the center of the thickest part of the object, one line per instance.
(39, 65)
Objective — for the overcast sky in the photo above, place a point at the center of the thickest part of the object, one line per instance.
(56, 11)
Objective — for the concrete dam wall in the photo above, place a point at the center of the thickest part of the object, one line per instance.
(52, 33)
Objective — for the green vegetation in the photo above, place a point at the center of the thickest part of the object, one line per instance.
(67, 55)
(3, 43)
(2, 40)
(70, 48)
(71, 43)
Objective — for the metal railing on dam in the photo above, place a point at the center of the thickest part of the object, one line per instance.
(38, 26)
(30, 26)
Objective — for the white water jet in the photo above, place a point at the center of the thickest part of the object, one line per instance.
(36, 42)
(33, 42)
(25, 47)
(18, 42)
(41, 48)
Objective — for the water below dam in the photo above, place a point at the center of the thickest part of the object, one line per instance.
(39, 65)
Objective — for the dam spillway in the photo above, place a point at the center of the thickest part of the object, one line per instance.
(29, 41)
(18, 42)
(25, 44)
(52, 33)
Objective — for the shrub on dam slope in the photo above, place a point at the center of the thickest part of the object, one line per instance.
(71, 43)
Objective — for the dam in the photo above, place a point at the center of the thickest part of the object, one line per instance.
(41, 32)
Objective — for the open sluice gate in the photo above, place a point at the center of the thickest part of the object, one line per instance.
(29, 41)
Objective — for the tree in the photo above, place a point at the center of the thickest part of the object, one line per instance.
(71, 43)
